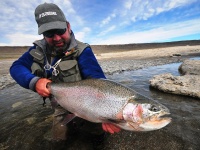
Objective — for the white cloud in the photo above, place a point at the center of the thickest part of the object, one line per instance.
(142, 10)
(70, 12)
(20, 39)
(17, 16)
(107, 30)
(128, 4)
(108, 19)
(152, 35)
(81, 35)
(18, 24)
(67, 7)
(156, 34)
(177, 3)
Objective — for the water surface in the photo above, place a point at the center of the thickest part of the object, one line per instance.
(26, 124)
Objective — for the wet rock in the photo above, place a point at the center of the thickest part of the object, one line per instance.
(184, 85)
(190, 67)
(6, 80)
(188, 84)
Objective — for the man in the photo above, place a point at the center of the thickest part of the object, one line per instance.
(58, 57)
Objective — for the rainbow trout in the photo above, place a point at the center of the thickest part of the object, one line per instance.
(102, 100)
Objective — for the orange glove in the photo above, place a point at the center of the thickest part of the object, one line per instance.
(41, 87)
(108, 127)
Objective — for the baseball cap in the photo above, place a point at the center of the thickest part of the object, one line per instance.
(49, 16)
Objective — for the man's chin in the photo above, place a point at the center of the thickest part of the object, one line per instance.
(60, 49)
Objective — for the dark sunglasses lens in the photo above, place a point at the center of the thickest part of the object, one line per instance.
(51, 33)
(60, 31)
(48, 34)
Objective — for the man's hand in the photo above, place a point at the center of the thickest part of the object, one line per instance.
(108, 127)
(41, 87)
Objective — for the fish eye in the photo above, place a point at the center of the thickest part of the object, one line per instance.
(154, 108)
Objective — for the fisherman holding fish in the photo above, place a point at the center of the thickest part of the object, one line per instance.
(59, 57)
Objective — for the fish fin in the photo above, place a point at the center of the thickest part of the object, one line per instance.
(54, 103)
(68, 118)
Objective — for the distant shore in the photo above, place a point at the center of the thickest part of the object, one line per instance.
(16, 51)
(151, 52)
(137, 59)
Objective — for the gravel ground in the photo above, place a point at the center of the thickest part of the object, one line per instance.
(113, 66)
(124, 60)
(109, 66)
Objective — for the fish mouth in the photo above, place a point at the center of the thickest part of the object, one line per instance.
(162, 118)
(156, 122)
(165, 116)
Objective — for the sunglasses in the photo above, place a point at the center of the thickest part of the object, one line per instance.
(51, 33)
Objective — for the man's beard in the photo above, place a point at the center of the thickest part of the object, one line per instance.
(61, 50)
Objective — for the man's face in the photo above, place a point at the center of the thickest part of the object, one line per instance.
(58, 39)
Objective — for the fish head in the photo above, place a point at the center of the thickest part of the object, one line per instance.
(146, 116)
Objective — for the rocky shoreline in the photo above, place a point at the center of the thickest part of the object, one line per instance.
(119, 65)
(110, 66)
(187, 84)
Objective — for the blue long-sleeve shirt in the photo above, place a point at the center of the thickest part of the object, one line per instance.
(21, 68)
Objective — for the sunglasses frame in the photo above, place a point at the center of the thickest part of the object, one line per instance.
(51, 33)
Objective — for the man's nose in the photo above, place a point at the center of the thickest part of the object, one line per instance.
(56, 37)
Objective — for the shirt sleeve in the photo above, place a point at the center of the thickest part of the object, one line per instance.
(20, 70)
(89, 66)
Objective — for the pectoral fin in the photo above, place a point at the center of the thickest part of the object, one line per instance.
(68, 118)
(54, 103)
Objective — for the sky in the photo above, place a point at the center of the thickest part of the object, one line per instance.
(106, 21)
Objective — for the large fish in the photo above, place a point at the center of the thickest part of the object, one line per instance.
(102, 100)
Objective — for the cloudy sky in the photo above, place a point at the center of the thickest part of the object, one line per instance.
(106, 21)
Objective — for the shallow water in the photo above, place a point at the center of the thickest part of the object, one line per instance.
(185, 111)
(25, 123)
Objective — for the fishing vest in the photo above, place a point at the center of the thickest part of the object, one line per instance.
(68, 67)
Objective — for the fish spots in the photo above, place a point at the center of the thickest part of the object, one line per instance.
(100, 96)
(100, 100)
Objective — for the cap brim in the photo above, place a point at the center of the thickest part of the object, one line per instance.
(52, 25)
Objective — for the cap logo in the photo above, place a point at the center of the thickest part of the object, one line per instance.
(49, 13)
